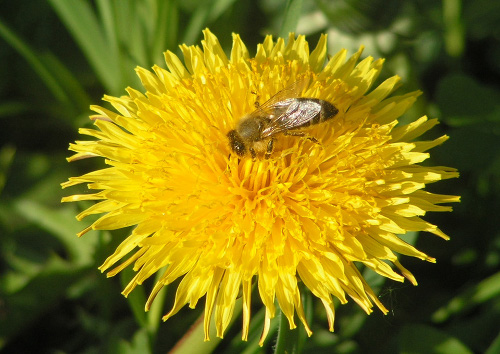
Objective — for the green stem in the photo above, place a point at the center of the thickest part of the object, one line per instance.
(288, 339)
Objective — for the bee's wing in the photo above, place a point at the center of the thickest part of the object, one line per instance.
(280, 109)
(289, 114)
(291, 91)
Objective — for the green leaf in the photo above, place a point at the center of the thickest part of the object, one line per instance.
(219, 7)
(293, 11)
(165, 34)
(464, 101)
(360, 16)
(153, 316)
(139, 345)
(198, 20)
(470, 148)
(7, 154)
(136, 299)
(204, 13)
(418, 339)
(254, 332)
(134, 31)
(76, 98)
(8, 109)
(192, 342)
(473, 296)
(39, 294)
(494, 348)
(56, 77)
(61, 223)
(454, 36)
(482, 18)
(83, 24)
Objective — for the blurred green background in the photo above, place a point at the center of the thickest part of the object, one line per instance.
(59, 56)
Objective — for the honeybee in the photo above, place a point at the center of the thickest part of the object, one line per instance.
(286, 113)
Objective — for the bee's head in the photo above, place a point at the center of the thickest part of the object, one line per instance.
(236, 143)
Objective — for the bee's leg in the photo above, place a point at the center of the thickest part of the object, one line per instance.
(270, 147)
(257, 98)
(228, 168)
(288, 132)
(313, 139)
(253, 153)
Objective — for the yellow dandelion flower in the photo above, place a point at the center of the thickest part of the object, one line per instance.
(309, 211)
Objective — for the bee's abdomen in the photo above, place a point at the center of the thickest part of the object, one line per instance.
(327, 111)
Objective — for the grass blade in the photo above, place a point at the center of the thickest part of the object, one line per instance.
(82, 22)
(293, 11)
(53, 74)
